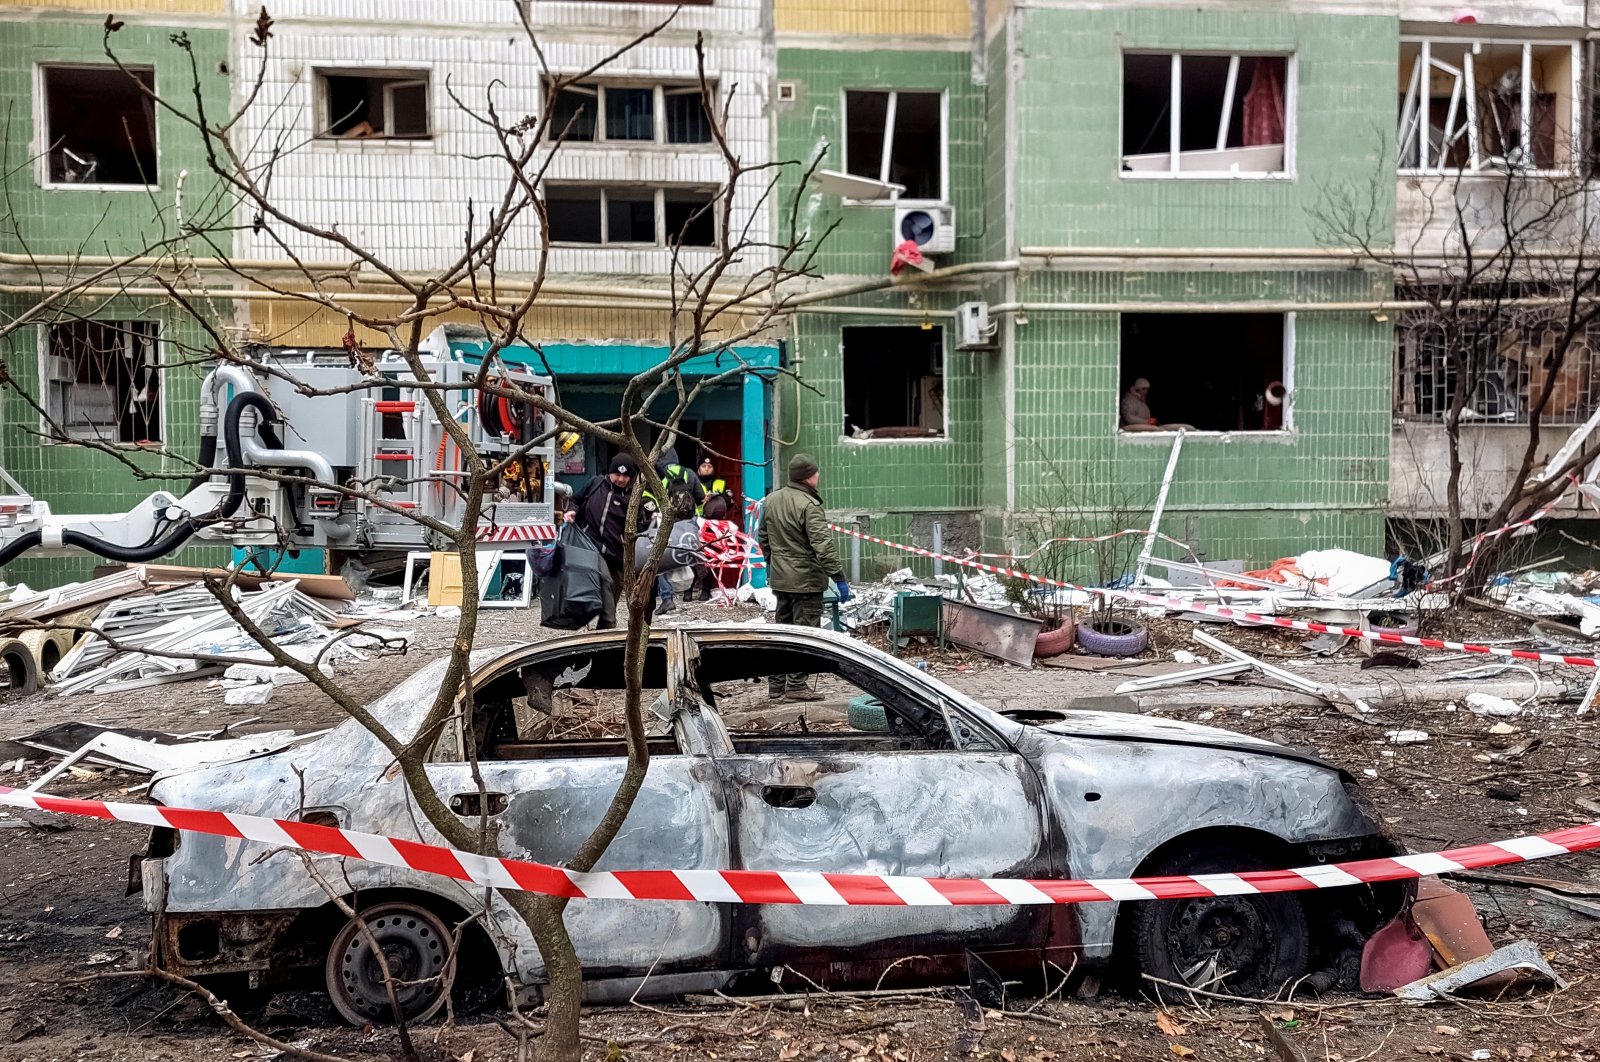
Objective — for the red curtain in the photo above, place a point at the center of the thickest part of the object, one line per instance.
(1263, 103)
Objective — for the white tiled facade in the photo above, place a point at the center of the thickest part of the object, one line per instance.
(407, 200)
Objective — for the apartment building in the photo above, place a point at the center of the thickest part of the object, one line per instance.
(1107, 194)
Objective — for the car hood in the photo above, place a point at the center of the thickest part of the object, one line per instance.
(1116, 726)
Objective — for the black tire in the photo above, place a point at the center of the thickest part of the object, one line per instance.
(1262, 939)
(416, 946)
(1113, 638)
(21, 671)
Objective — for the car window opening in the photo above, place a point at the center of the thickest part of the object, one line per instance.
(1203, 372)
(858, 711)
(893, 382)
(568, 705)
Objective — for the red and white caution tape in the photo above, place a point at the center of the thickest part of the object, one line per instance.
(802, 887)
(1184, 604)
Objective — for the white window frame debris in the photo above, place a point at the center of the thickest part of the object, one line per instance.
(43, 132)
(55, 379)
(392, 79)
(661, 90)
(659, 192)
(1462, 116)
(887, 157)
(1186, 165)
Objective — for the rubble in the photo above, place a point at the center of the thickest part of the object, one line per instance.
(1522, 956)
(152, 624)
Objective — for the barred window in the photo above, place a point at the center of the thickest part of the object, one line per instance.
(103, 381)
(1510, 355)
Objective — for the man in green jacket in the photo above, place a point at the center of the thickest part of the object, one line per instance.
(801, 558)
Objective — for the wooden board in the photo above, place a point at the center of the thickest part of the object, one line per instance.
(326, 587)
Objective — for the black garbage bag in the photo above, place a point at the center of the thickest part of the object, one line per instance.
(570, 598)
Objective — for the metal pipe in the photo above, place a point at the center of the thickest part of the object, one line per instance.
(855, 555)
(938, 548)
(1341, 253)
(1275, 306)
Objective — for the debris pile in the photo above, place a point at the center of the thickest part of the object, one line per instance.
(139, 627)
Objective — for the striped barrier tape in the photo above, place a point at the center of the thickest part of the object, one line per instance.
(518, 533)
(803, 887)
(1183, 604)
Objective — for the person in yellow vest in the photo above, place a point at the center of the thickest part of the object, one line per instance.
(716, 504)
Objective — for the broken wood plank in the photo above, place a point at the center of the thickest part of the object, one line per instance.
(327, 587)
(1285, 1045)
(1584, 907)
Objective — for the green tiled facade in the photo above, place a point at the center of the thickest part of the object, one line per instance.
(1043, 159)
(93, 222)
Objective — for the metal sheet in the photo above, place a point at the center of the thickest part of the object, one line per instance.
(1002, 635)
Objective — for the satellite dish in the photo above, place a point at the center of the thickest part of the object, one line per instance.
(918, 226)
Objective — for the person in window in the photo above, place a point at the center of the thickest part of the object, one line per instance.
(1135, 410)
(801, 559)
(601, 509)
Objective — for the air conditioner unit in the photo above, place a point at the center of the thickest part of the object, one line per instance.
(973, 330)
(931, 228)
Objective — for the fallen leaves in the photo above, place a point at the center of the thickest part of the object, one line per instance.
(1180, 1050)
(1167, 1025)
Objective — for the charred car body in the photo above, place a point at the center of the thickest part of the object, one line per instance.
(928, 783)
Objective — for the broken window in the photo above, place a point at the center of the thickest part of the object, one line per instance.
(100, 125)
(569, 704)
(391, 106)
(893, 382)
(653, 217)
(653, 114)
(1496, 105)
(1205, 114)
(102, 381)
(1205, 371)
(1513, 361)
(859, 709)
(897, 137)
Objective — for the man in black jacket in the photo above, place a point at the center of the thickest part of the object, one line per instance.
(601, 510)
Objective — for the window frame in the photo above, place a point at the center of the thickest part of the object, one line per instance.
(75, 438)
(886, 158)
(1165, 436)
(42, 131)
(660, 90)
(1291, 122)
(394, 77)
(945, 351)
(658, 195)
(1573, 132)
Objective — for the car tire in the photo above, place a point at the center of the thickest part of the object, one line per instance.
(417, 947)
(1113, 638)
(1058, 641)
(1263, 938)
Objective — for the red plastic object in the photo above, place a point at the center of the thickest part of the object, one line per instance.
(1395, 955)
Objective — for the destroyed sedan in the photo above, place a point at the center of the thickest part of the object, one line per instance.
(890, 772)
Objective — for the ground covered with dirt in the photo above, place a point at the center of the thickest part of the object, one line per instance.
(72, 942)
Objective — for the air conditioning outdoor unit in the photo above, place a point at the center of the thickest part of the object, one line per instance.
(931, 228)
(973, 330)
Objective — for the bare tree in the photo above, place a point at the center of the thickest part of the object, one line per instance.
(714, 302)
(1497, 278)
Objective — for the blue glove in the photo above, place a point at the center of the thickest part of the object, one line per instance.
(844, 590)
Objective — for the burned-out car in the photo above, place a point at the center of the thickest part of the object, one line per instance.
(892, 772)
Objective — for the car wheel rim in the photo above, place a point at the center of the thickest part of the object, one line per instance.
(1215, 940)
(415, 949)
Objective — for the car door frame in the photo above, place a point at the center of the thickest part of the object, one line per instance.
(696, 741)
(1050, 930)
